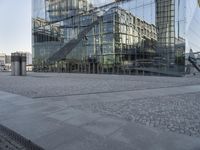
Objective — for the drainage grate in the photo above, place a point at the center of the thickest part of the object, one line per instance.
(19, 139)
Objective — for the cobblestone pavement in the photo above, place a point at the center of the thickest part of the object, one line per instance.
(61, 108)
(35, 84)
(179, 114)
(8, 144)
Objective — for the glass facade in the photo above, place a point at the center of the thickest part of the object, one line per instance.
(122, 37)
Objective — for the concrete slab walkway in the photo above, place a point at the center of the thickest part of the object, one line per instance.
(54, 125)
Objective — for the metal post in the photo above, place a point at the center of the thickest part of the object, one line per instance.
(12, 64)
(23, 64)
(89, 68)
(17, 64)
(94, 70)
(97, 68)
(102, 68)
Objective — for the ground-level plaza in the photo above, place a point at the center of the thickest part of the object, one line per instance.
(101, 112)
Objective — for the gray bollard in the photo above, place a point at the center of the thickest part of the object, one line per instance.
(17, 64)
(12, 64)
(23, 64)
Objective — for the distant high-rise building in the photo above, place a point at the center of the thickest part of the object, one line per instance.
(2, 59)
(29, 59)
(165, 22)
(5, 61)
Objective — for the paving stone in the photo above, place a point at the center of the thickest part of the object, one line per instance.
(109, 112)
(174, 113)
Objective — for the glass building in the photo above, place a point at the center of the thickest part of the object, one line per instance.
(115, 36)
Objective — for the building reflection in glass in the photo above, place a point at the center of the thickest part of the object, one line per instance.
(131, 37)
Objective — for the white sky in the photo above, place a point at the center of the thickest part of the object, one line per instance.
(15, 25)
